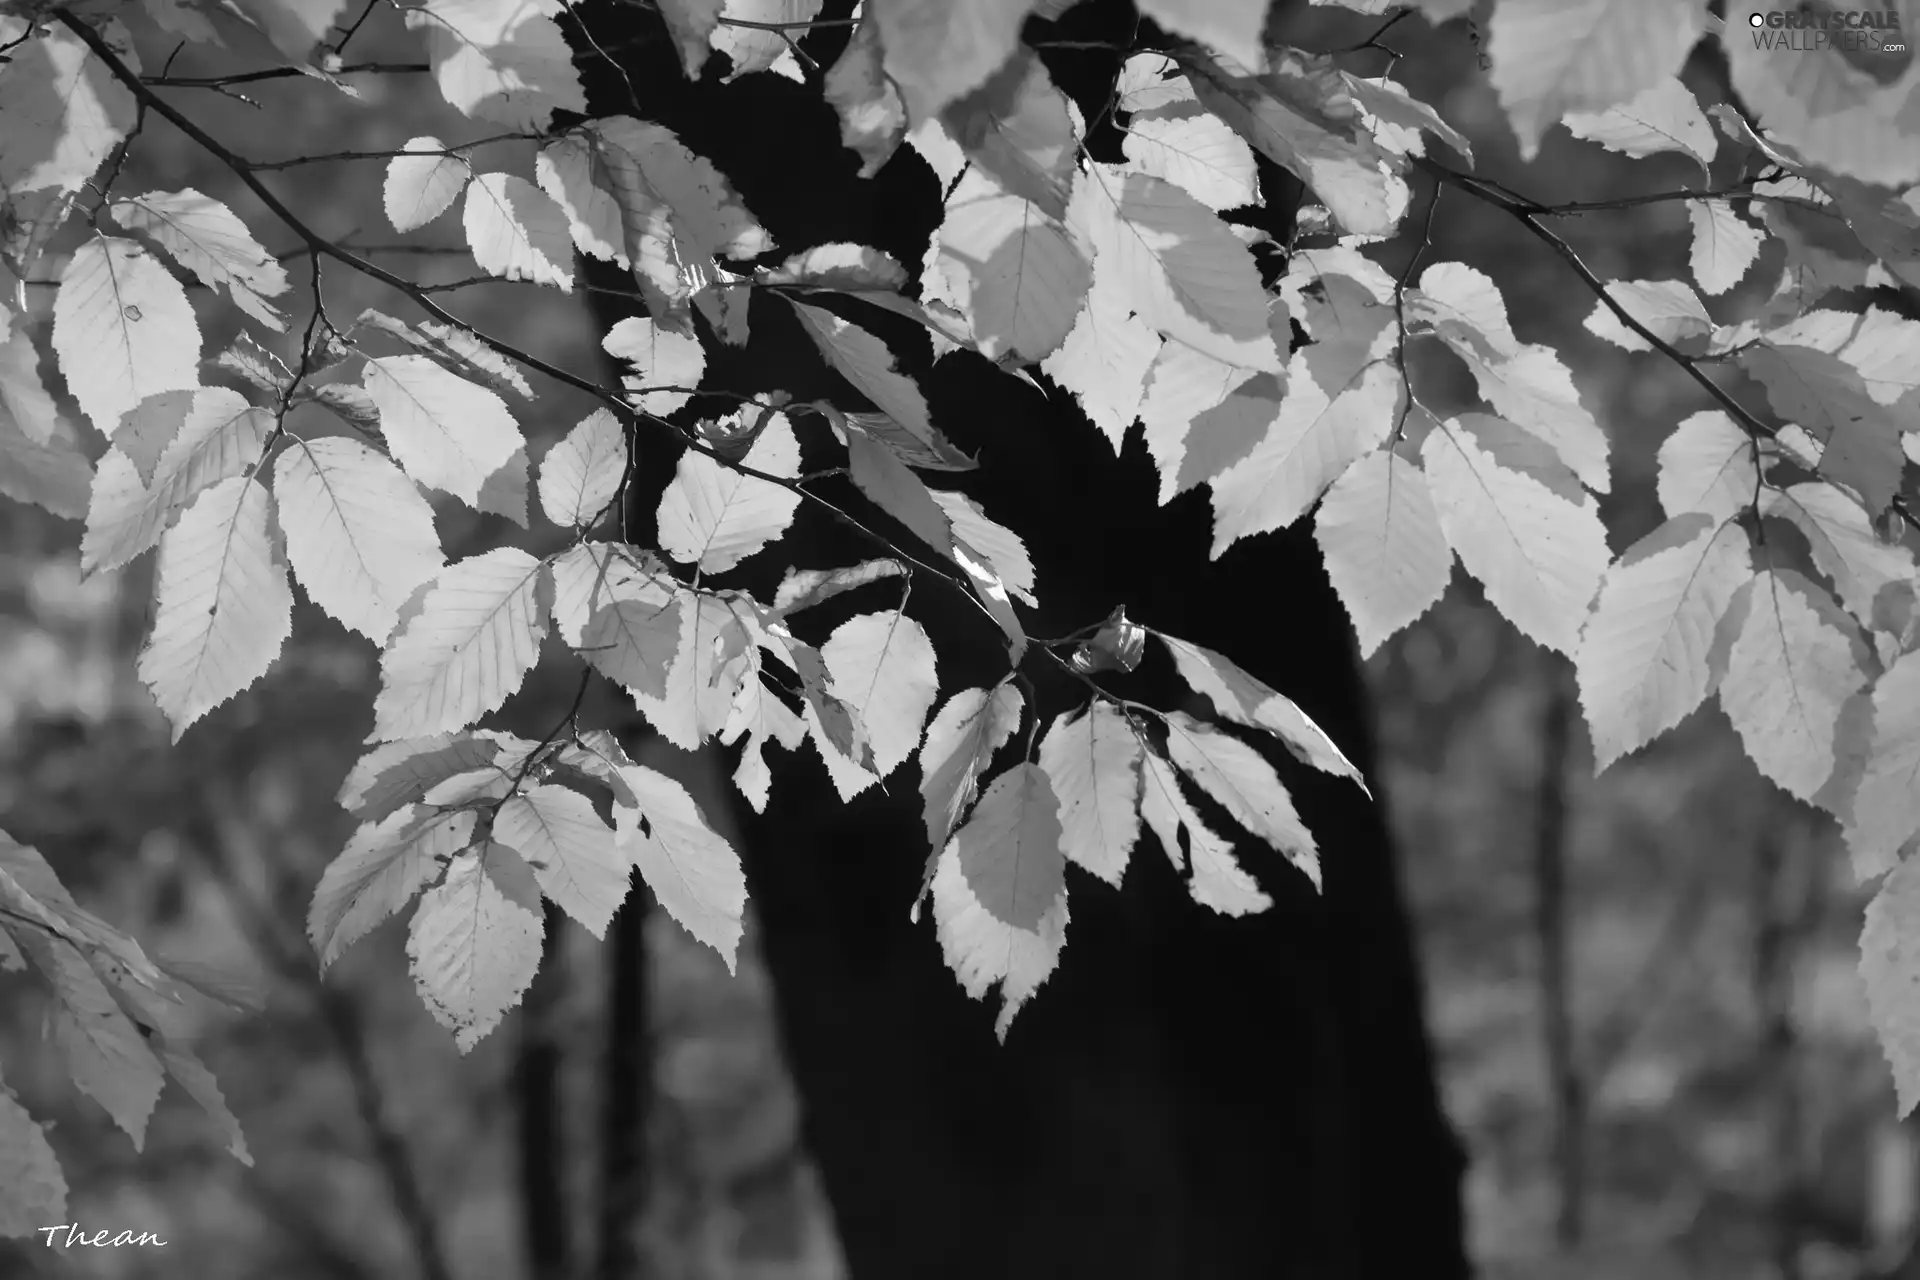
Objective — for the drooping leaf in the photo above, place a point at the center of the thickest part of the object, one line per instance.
(517, 231)
(122, 329)
(1874, 579)
(693, 872)
(458, 351)
(475, 943)
(572, 852)
(360, 536)
(1246, 786)
(448, 433)
(1797, 661)
(64, 110)
(1105, 357)
(882, 665)
(52, 476)
(1670, 309)
(387, 861)
(1218, 880)
(1724, 245)
(23, 396)
(475, 638)
(864, 361)
(969, 728)
(715, 517)
(33, 1190)
(1643, 657)
(634, 640)
(1009, 268)
(224, 607)
(692, 24)
(669, 364)
(1093, 762)
(208, 239)
(1005, 554)
(709, 665)
(398, 773)
(1886, 805)
(420, 188)
(580, 475)
(1539, 553)
(999, 892)
(1889, 970)
(1825, 393)
(1380, 536)
(889, 485)
(500, 60)
(1663, 117)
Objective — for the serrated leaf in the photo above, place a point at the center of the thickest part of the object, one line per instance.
(149, 427)
(1874, 579)
(969, 728)
(1231, 26)
(1191, 393)
(1643, 657)
(1093, 761)
(448, 433)
(23, 397)
(458, 351)
(1890, 971)
(1797, 661)
(670, 364)
(1551, 57)
(864, 361)
(1196, 152)
(714, 517)
(999, 892)
(122, 329)
(1011, 270)
(419, 189)
(1662, 117)
(1243, 699)
(50, 476)
(1724, 245)
(580, 474)
(1218, 881)
(804, 588)
(1707, 465)
(1180, 268)
(1245, 785)
(889, 485)
(398, 773)
(475, 638)
(386, 862)
(882, 665)
(694, 873)
(1538, 553)
(1105, 357)
(500, 60)
(1005, 554)
(1826, 394)
(1886, 805)
(1669, 308)
(1401, 120)
(591, 575)
(756, 48)
(1385, 552)
(208, 239)
(517, 231)
(223, 604)
(106, 1054)
(473, 948)
(634, 642)
(221, 437)
(64, 109)
(709, 665)
(851, 267)
(692, 24)
(935, 52)
(360, 536)
(33, 1190)
(572, 852)
(873, 118)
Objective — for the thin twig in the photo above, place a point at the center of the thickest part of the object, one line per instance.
(271, 73)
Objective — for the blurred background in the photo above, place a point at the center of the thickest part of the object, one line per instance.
(1641, 986)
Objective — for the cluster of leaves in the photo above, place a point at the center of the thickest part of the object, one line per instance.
(1780, 580)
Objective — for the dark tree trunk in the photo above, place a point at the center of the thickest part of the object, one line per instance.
(1189, 1095)
(626, 1088)
(543, 1145)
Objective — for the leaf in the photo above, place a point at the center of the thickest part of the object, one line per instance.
(1886, 805)
(1302, 116)
(1827, 395)
(864, 360)
(1218, 881)
(387, 861)
(1004, 552)
(1873, 579)
(873, 118)
(591, 575)
(693, 872)
(1246, 786)
(1560, 56)
(1196, 152)
(474, 948)
(1707, 465)
(24, 401)
(1181, 269)
(50, 476)
(1665, 116)
(969, 728)
(517, 232)
(1890, 970)
(882, 666)
(448, 433)
(580, 475)
(925, 448)
(397, 773)
(149, 427)
(1239, 697)
(1231, 26)
(1399, 119)
(1019, 133)
(692, 24)
(1643, 657)
(1539, 554)
(122, 329)
(1105, 357)
(458, 351)
(999, 895)
(419, 189)
(670, 364)
(208, 239)
(1093, 763)
(1796, 662)
(572, 852)
(935, 51)
(106, 1054)
(752, 49)
(1385, 552)
(1012, 271)
(33, 1191)
(1309, 445)
(475, 638)
(1724, 245)
(500, 60)
(709, 665)
(223, 604)
(634, 642)
(64, 110)
(504, 493)
(714, 517)
(358, 533)
(804, 588)
(221, 437)
(1669, 308)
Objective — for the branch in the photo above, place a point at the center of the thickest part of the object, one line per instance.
(269, 73)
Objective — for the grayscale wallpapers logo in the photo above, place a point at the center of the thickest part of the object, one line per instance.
(1844, 30)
